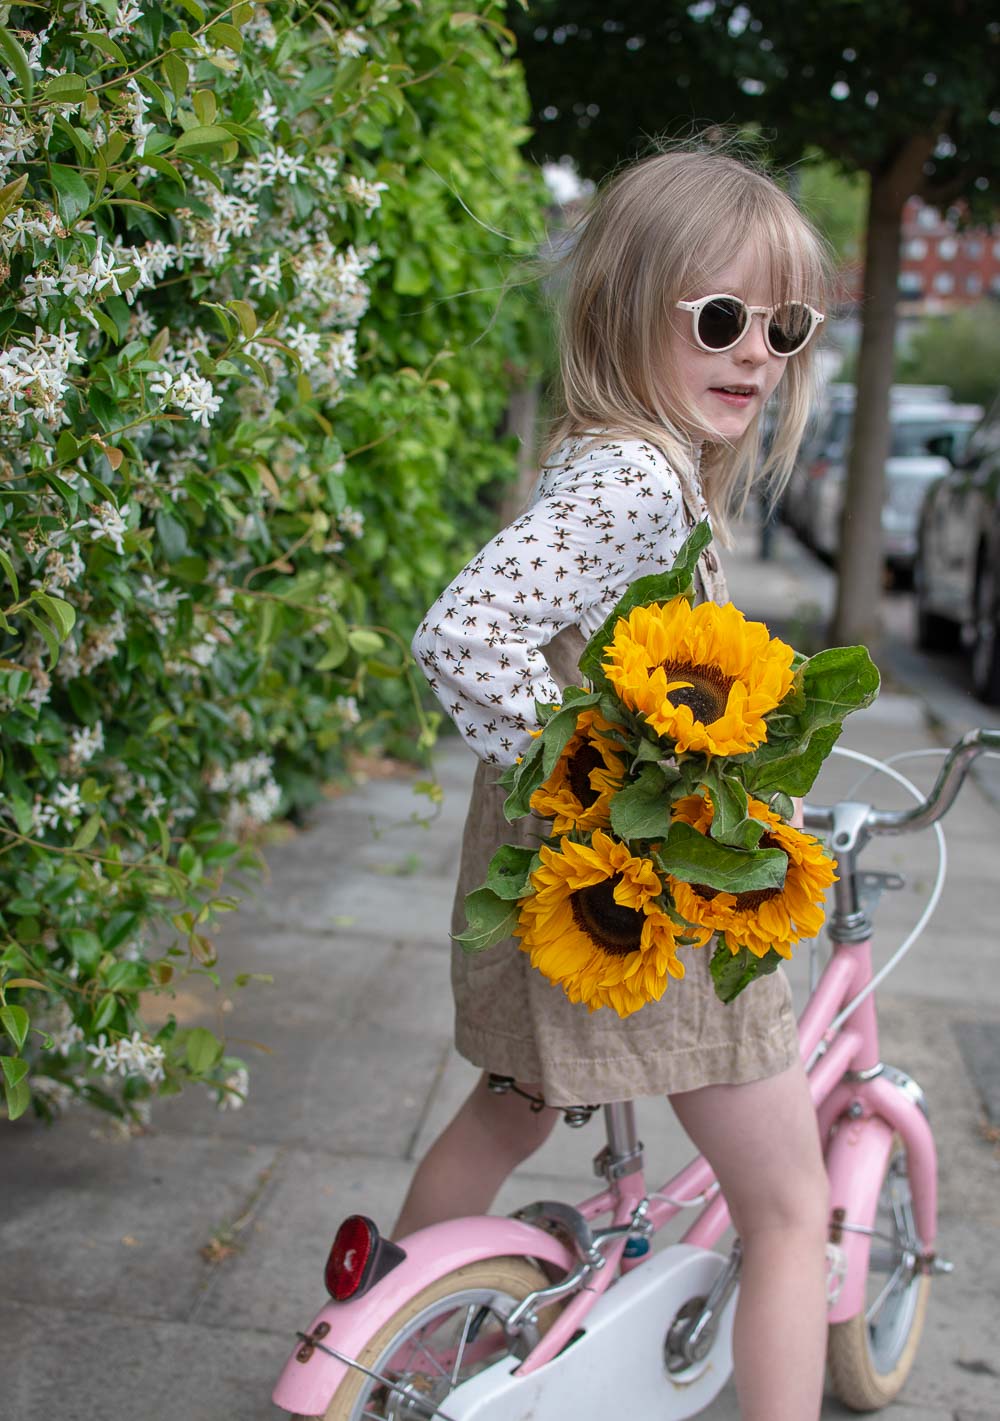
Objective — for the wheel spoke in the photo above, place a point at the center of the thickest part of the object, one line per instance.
(872, 1313)
(463, 1340)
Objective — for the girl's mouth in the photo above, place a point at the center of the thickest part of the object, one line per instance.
(739, 396)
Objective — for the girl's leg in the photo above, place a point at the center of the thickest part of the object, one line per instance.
(466, 1165)
(761, 1139)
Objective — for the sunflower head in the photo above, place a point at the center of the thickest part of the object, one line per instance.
(595, 927)
(763, 918)
(577, 794)
(702, 677)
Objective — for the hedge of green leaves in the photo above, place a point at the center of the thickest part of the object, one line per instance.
(249, 391)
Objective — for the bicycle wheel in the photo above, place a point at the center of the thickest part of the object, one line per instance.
(870, 1355)
(439, 1339)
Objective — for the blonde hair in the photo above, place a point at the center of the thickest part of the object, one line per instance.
(657, 233)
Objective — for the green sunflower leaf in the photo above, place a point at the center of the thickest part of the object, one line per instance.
(804, 729)
(781, 804)
(490, 919)
(509, 873)
(521, 781)
(732, 972)
(695, 858)
(729, 801)
(658, 587)
(642, 809)
(561, 728)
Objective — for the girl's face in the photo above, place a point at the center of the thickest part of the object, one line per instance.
(728, 388)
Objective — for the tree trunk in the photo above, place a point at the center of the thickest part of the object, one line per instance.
(858, 612)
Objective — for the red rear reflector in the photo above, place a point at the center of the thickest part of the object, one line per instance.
(347, 1265)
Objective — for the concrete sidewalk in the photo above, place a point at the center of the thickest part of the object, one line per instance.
(163, 1278)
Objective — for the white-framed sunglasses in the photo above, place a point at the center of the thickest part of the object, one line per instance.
(721, 321)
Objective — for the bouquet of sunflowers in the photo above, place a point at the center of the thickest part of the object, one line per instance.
(667, 780)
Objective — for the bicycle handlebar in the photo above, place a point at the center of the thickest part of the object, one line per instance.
(928, 811)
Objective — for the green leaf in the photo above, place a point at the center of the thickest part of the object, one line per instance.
(72, 193)
(203, 139)
(89, 831)
(560, 730)
(104, 1013)
(695, 858)
(658, 587)
(732, 972)
(61, 614)
(15, 1085)
(781, 804)
(18, 61)
(8, 568)
(105, 44)
(364, 642)
(63, 89)
(246, 316)
(202, 1050)
(522, 780)
(805, 727)
(15, 1022)
(172, 535)
(642, 809)
(85, 947)
(225, 36)
(490, 919)
(176, 72)
(509, 872)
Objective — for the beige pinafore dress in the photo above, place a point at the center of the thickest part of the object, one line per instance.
(510, 1020)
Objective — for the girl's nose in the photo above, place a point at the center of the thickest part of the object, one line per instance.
(752, 349)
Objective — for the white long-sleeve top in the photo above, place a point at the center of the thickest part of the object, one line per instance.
(603, 514)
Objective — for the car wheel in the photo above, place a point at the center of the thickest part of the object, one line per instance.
(986, 643)
(934, 632)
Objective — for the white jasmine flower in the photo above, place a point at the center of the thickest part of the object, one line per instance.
(366, 194)
(305, 343)
(108, 522)
(347, 709)
(352, 44)
(86, 742)
(105, 1055)
(235, 1089)
(66, 800)
(267, 277)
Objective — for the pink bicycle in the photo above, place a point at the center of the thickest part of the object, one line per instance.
(552, 1313)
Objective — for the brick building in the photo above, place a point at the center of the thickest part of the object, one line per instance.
(943, 267)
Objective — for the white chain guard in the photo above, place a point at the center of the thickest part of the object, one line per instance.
(618, 1367)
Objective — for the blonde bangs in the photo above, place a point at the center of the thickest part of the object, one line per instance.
(656, 234)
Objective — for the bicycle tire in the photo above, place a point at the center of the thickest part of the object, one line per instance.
(869, 1360)
(510, 1277)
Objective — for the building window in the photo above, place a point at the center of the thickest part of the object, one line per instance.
(944, 282)
(947, 249)
(910, 284)
(995, 285)
(915, 249)
(927, 218)
(974, 284)
(974, 248)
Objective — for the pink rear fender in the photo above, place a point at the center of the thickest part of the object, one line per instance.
(306, 1387)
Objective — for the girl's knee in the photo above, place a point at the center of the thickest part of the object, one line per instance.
(799, 1204)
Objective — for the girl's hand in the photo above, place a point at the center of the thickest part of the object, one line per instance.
(796, 819)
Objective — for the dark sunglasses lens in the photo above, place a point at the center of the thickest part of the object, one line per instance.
(789, 327)
(721, 323)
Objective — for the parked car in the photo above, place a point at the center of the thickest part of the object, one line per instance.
(828, 443)
(911, 467)
(956, 573)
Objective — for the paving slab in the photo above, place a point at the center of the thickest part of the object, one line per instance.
(117, 1226)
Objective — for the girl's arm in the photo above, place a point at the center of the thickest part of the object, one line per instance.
(565, 561)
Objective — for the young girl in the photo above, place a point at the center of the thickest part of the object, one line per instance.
(693, 290)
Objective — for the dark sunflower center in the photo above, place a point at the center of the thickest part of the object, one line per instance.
(614, 929)
(581, 762)
(754, 897)
(706, 696)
